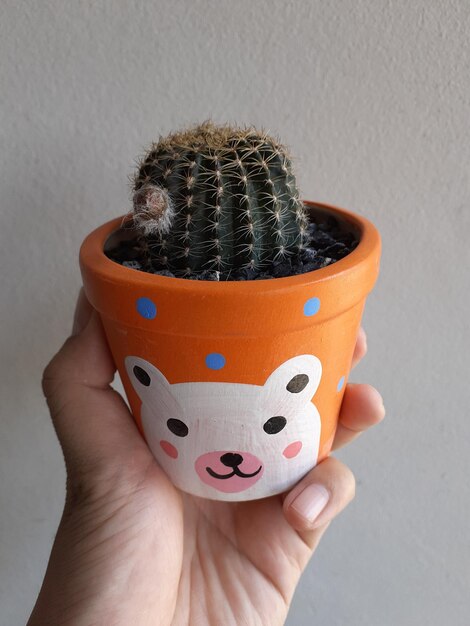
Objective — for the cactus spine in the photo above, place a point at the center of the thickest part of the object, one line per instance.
(218, 198)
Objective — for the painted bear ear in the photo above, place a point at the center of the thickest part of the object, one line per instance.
(299, 376)
(145, 377)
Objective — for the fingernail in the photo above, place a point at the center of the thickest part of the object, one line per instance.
(311, 501)
(82, 315)
(380, 400)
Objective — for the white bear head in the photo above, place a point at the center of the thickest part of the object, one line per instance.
(232, 441)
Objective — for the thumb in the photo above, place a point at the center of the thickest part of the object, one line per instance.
(325, 491)
(93, 424)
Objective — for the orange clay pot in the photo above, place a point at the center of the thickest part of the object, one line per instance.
(236, 386)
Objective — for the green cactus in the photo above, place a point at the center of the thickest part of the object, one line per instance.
(218, 198)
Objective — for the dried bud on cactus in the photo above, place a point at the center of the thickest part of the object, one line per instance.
(220, 198)
(153, 210)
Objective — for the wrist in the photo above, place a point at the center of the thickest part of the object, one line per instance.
(94, 575)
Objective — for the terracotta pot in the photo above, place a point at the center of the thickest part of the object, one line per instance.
(236, 386)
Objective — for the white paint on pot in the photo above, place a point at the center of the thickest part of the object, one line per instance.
(232, 441)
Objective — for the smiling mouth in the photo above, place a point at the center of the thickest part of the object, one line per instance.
(235, 472)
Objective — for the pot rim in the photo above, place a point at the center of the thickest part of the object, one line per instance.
(93, 258)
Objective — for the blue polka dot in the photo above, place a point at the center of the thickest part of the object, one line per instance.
(312, 306)
(146, 308)
(215, 361)
(340, 383)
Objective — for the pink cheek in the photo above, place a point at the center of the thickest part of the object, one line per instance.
(292, 449)
(169, 449)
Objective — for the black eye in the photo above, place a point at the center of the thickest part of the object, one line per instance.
(177, 427)
(274, 424)
(298, 383)
(141, 375)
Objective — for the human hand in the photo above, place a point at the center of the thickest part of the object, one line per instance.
(132, 549)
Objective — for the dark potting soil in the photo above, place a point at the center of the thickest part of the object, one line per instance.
(327, 243)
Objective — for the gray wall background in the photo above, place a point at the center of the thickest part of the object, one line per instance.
(374, 98)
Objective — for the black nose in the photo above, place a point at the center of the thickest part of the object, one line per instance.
(231, 460)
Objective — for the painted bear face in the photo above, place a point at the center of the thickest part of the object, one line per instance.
(232, 441)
